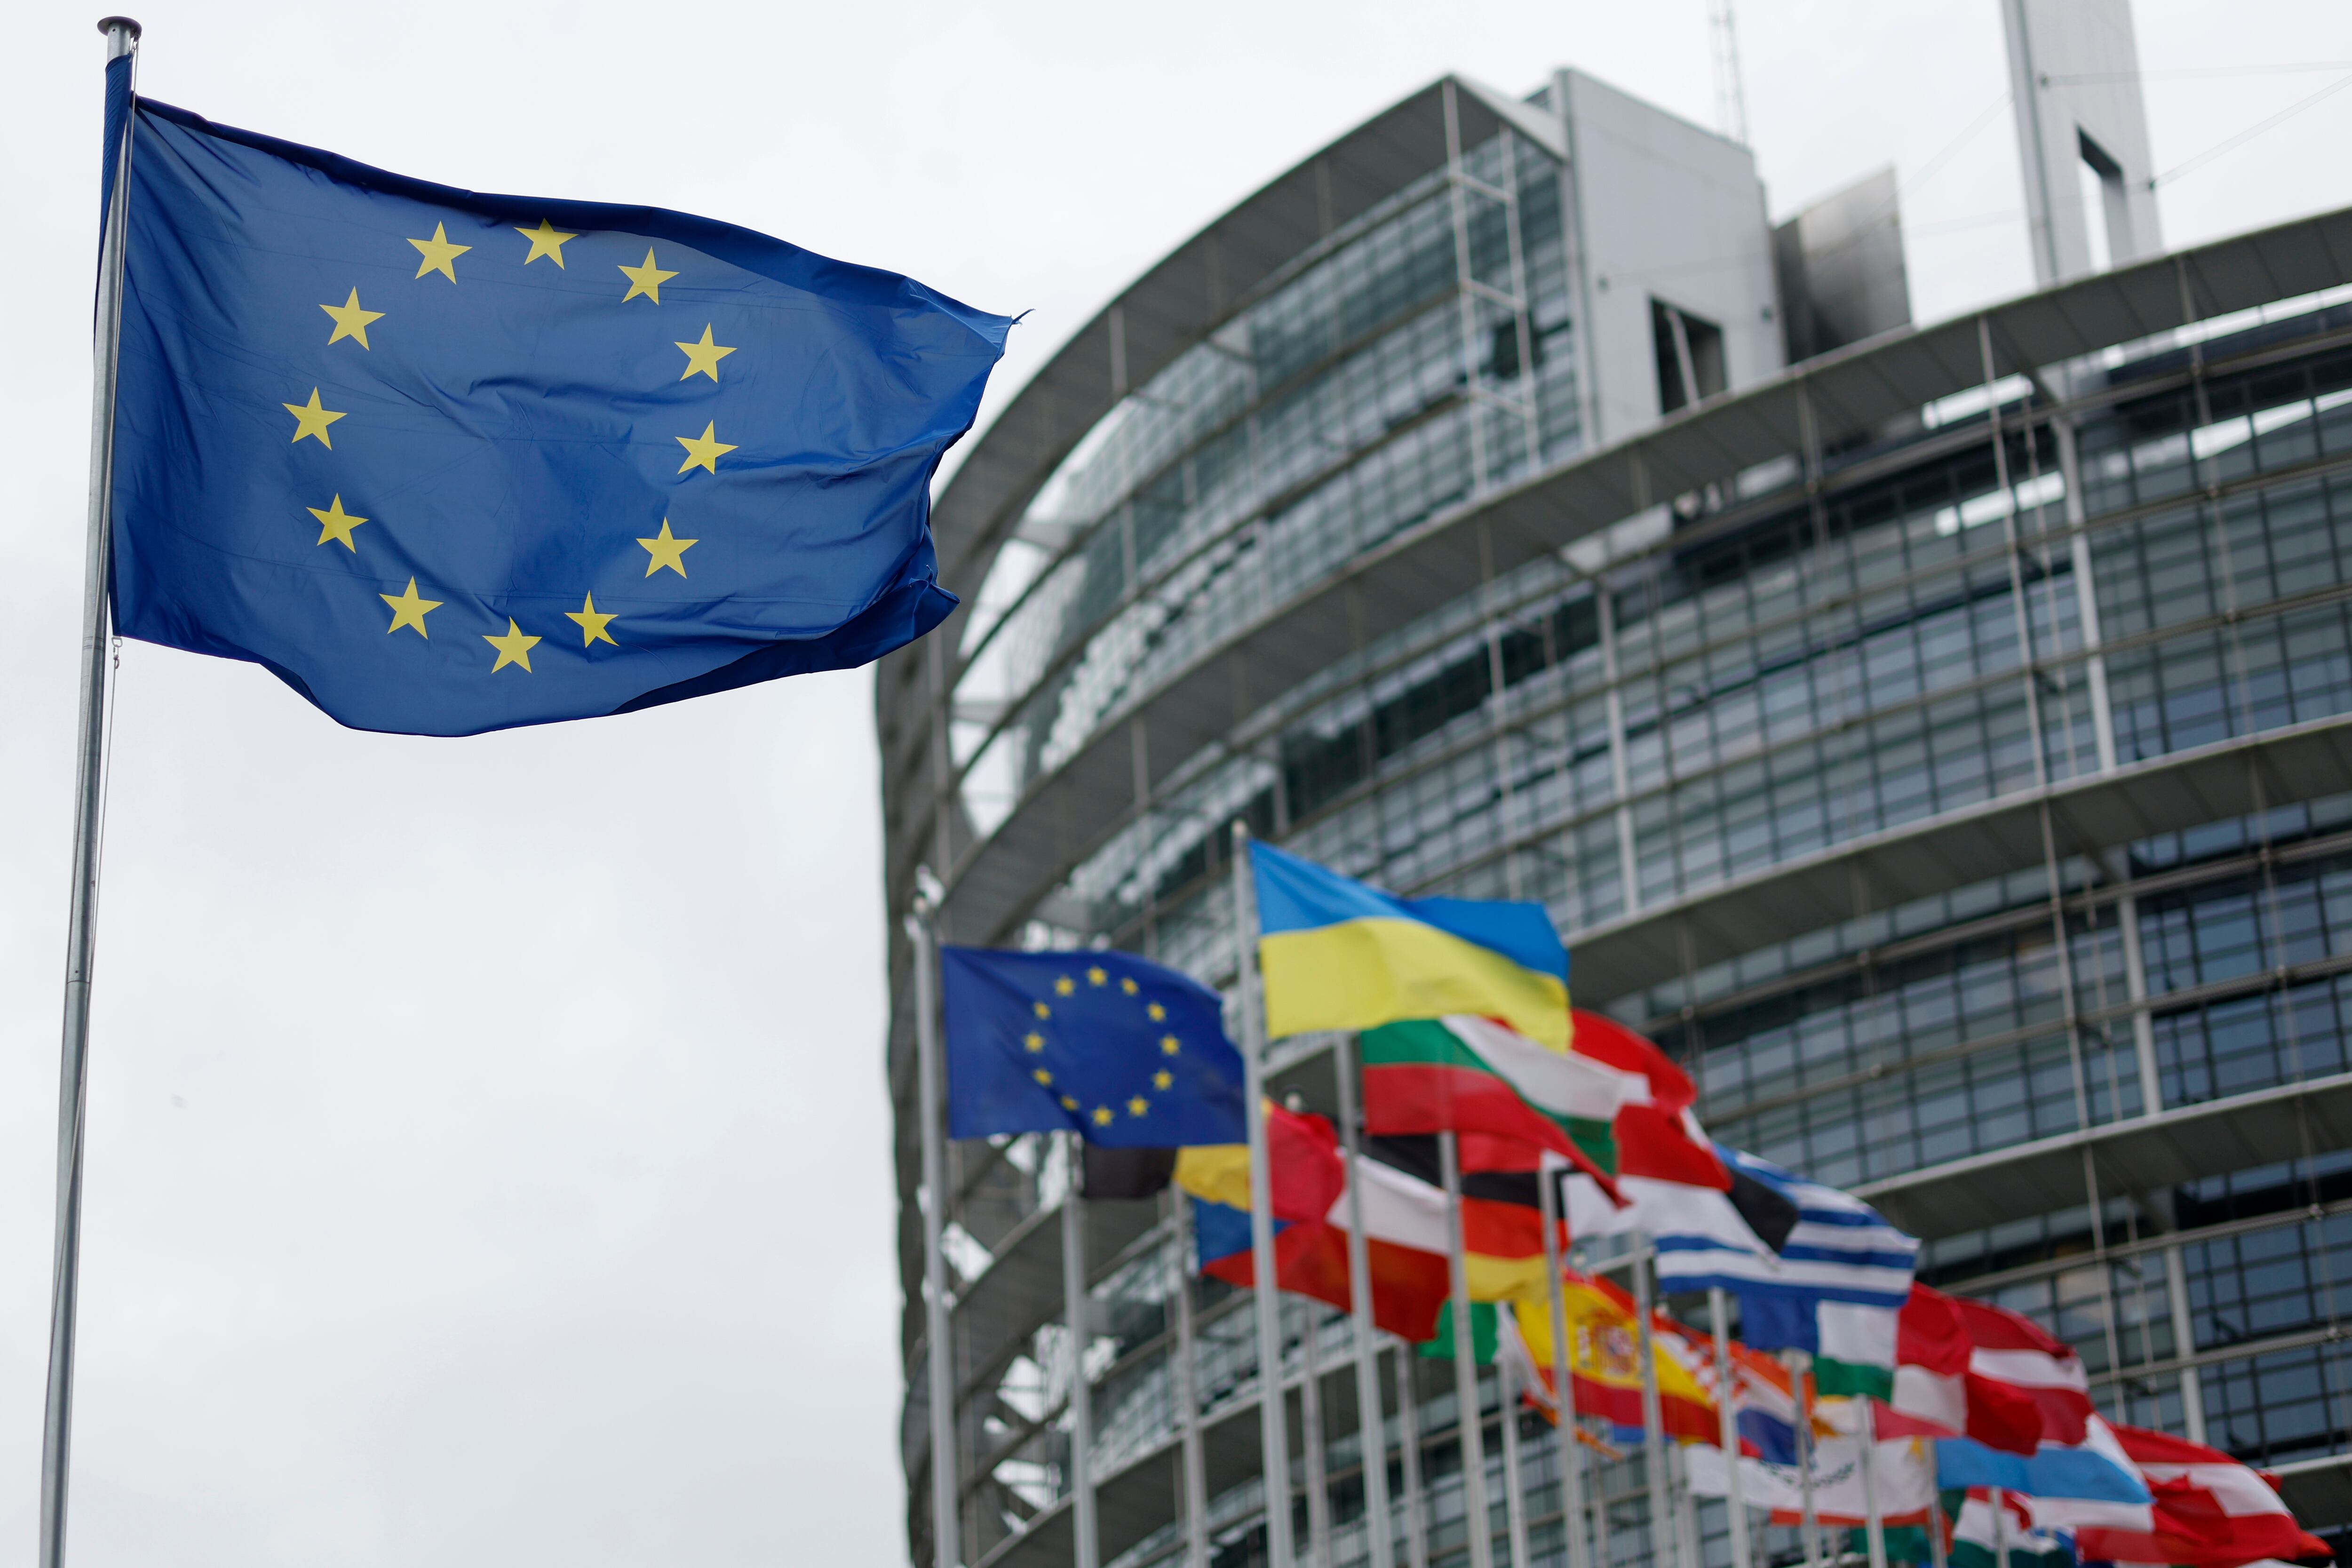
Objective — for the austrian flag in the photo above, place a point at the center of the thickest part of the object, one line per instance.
(1969, 1369)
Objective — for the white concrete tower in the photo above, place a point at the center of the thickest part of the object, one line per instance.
(2082, 135)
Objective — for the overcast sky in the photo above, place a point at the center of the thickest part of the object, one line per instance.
(488, 1141)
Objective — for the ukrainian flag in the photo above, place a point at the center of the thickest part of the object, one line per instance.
(1337, 954)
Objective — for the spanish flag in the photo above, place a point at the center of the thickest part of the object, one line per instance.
(1337, 954)
(1604, 1361)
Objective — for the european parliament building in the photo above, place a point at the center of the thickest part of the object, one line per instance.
(1937, 737)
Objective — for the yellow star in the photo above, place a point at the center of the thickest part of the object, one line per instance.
(336, 523)
(1034, 1041)
(1167, 1046)
(1103, 1117)
(514, 649)
(592, 624)
(350, 322)
(702, 452)
(667, 550)
(1042, 1076)
(310, 419)
(1041, 1009)
(1064, 985)
(1163, 1081)
(1155, 1012)
(1128, 985)
(408, 610)
(545, 240)
(1137, 1106)
(646, 280)
(703, 356)
(1096, 977)
(1068, 1104)
(435, 254)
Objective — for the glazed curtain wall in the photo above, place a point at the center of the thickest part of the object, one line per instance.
(1911, 645)
(1346, 403)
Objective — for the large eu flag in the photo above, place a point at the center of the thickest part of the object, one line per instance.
(447, 462)
(1123, 1051)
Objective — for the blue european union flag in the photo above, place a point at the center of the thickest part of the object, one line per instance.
(447, 462)
(1118, 1048)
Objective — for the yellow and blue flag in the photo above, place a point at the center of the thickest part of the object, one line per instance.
(1337, 954)
(447, 462)
(1126, 1052)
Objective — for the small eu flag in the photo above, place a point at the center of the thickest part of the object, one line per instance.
(447, 462)
(1116, 1048)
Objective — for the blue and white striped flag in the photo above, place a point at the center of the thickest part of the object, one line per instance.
(1813, 1266)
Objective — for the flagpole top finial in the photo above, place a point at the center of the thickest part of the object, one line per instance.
(129, 25)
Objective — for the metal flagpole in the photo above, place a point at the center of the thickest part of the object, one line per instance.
(1274, 1438)
(1468, 1412)
(1873, 1526)
(1371, 1430)
(1572, 1452)
(1654, 1419)
(1310, 1440)
(1416, 1526)
(1686, 1506)
(1074, 1314)
(1810, 1524)
(1515, 1497)
(1999, 1527)
(73, 1075)
(1188, 1392)
(1727, 1400)
(1936, 1530)
(946, 1551)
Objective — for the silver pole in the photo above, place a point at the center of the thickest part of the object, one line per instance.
(1468, 1413)
(1371, 1430)
(1653, 1418)
(1873, 1526)
(89, 782)
(1416, 1524)
(1514, 1495)
(1999, 1527)
(946, 1550)
(1310, 1440)
(1727, 1400)
(1936, 1531)
(1563, 1372)
(1274, 1436)
(1809, 1525)
(1686, 1507)
(1073, 1314)
(1188, 1392)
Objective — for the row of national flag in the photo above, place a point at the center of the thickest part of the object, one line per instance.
(1464, 1027)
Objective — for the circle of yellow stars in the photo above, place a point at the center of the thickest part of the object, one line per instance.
(664, 551)
(1034, 1043)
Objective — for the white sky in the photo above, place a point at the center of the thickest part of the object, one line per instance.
(488, 1143)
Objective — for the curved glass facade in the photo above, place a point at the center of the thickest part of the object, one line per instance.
(2125, 562)
(1331, 412)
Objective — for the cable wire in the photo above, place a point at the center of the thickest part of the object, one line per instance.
(2338, 85)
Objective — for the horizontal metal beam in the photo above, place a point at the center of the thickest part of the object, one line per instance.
(1868, 875)
(2142, 1155)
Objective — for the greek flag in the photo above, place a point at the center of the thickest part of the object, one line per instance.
(1813, 1266)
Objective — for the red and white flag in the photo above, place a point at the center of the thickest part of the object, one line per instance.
(1968, 1369)
(2209, 1511)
